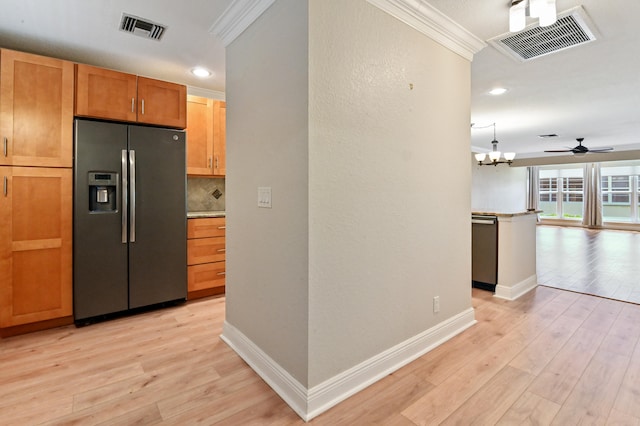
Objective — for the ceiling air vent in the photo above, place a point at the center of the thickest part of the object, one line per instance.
(570, 30)
(142, 27)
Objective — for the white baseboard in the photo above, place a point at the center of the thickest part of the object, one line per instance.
(517, 290)
(289, 389)
(309, 403)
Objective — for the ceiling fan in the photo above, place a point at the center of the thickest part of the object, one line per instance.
(580, 149)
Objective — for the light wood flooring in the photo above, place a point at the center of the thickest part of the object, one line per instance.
(601, 262)
(551, 357)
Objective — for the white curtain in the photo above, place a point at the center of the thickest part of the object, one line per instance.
(533, 186)
(592, 210)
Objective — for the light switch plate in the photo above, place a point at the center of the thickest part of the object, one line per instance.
(264, 197)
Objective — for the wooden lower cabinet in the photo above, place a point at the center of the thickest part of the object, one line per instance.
(205, 256)
(35, 245)
(206, 275)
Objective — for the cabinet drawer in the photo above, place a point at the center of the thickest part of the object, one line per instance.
(206, 227)
(204, 250)
(205, 276)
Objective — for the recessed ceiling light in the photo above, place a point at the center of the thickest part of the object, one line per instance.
(498, 91)
(200, 72)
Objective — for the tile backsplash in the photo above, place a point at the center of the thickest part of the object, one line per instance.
(202, 193)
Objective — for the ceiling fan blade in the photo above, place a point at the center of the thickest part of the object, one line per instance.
(558, 150)
(601, 150)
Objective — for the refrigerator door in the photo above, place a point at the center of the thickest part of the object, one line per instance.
(99, 255)
(157, 196)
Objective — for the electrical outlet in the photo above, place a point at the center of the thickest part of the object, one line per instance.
(436, 304)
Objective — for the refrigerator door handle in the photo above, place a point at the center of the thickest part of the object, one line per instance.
(132, 225)
(125, 195)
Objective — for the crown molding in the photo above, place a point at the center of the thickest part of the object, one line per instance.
(423, 17)
(205, 93)
(237, 18)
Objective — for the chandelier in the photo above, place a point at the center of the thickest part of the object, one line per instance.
(544, 10)
(494, 155)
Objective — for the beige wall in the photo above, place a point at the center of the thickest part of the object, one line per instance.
(267, 145)
(389, 198)
(500, 188)
(371, 202)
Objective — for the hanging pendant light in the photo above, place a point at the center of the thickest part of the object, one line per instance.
(517, 16)
(544, 10)
(535, 8)
(494, 154)
(548, 13)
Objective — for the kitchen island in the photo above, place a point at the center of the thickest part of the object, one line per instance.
(516, 252)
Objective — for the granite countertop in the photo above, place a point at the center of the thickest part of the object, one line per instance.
(210, 213)
(507, 214)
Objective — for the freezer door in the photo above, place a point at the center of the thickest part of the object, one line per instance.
(157, 234)
(99, 255)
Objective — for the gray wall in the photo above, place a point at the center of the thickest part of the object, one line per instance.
(366, 226)
(267, 145)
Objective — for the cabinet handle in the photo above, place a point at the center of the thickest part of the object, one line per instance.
(143, 107)
(217, 165)
(4, 186)
(222, 227)
(4, 142)
(221, 273)
(210, 162)
(221, 250)
(133, 104)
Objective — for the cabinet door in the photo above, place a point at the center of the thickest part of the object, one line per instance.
(35, 245)
(219, 138)
(162, 103)
(199, 135)
(102, 93)
(36, 110)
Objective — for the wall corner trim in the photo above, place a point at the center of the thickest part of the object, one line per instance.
(428, 20)
(238, 17)
(309, 403)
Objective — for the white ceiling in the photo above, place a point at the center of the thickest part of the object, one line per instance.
(591, 91)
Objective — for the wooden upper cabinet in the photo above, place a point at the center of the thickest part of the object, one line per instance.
(162, 103)
(102, 93)
(219, 138)
(114, 95)
(206, 134)
(36, 110)
(199, 135)
(35, 245)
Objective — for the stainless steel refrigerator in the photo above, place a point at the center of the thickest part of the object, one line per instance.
(129, 224)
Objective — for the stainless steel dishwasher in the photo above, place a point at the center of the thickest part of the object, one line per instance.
(484, 251)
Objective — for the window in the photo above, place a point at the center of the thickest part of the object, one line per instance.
(572, 189)
(561, 192)
(548, 189)
(619, 188)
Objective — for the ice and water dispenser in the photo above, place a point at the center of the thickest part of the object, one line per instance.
(103, 192)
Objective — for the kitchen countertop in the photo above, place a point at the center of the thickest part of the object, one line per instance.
(507, 214)
(211, 213)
